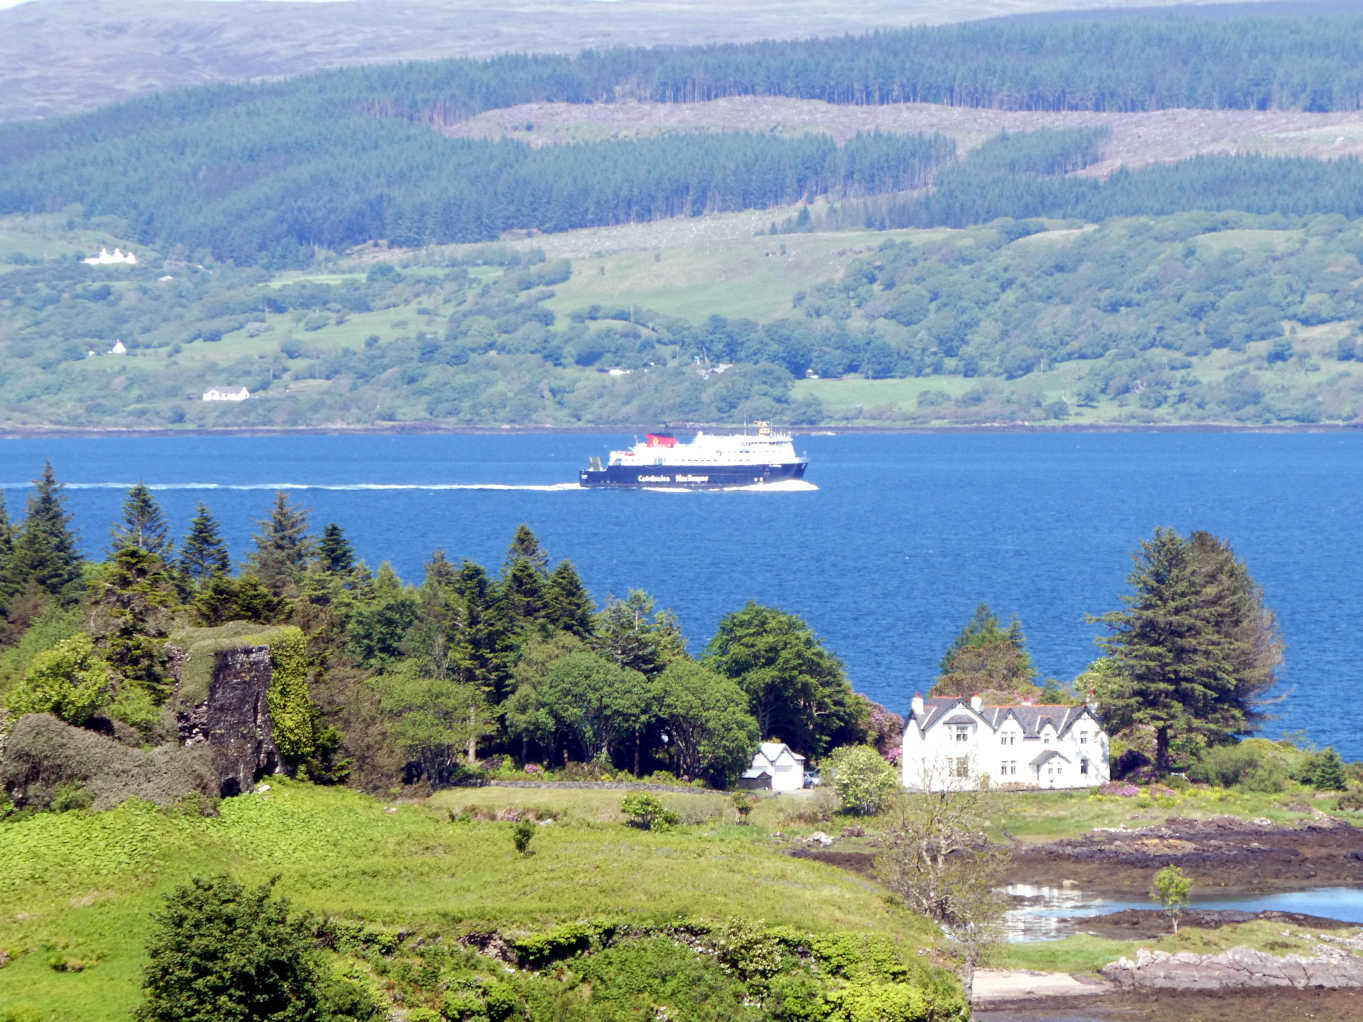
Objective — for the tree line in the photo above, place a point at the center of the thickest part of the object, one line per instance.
(416, 682)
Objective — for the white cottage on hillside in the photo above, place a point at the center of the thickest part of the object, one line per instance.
(952, 743)
(776, 766)
(226, 394)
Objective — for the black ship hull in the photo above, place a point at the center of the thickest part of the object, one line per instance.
(690, 477)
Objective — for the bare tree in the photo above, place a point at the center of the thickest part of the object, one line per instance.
(938, 858)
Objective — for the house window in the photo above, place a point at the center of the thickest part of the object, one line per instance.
(1083, 737)
(1084, 768)
(1009, 768)
(1007, 739)
(1046, 738)
(962, 732)
(960, 767)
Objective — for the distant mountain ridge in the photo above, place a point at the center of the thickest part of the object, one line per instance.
(62, 56)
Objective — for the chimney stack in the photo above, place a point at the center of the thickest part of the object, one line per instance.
(917, 704)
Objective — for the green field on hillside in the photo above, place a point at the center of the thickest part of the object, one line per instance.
(78, 888)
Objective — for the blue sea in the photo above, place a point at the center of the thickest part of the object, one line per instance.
(885, 554)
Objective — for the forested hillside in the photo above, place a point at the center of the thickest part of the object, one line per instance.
(1225, 300)
(265, 174)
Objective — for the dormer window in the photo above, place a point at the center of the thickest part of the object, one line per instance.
(961, 732)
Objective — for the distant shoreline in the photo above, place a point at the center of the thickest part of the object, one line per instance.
(414, 428)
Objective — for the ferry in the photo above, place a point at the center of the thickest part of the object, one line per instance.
(707, 461)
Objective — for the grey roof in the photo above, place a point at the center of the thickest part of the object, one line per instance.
(1030, 717)
(1047, 756)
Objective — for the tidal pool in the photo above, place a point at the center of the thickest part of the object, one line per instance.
(1050, 913)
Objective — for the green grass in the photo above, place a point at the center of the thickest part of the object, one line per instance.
(744, 277)
(202, 646)
(81, 886)
(1085, 953)
(1047, 816)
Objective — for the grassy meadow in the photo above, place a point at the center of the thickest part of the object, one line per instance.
(78, 888)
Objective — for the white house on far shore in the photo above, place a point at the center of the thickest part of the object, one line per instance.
(776, 766)
(949, 744)
(107, 258)
(226, 394)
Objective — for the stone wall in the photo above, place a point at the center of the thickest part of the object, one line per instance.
(234, 721)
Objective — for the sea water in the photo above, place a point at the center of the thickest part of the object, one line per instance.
(885, 552)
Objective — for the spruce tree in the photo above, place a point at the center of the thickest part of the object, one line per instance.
(204, 554)
(1194, 650)
(568, 605)
(282, 547)
(334, 552)
(45, 556)
(525, 546)
(143, 526)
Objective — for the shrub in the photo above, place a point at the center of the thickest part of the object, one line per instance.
(42, 754)
(69, 681)
(862, 778)
(1256, 764)
(1325, 771)
(593, 771)
(1349, 801)
(743, 805)
(646, 812)
(883, 1002)
(521, 835)
(223, 951)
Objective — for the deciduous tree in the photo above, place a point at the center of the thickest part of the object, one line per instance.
(796, 689)
(596, 701)
(710, 732)
(937, 856)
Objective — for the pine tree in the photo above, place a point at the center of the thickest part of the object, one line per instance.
(143, 527)
(1194, 650)
(204, 554)
(45, 556)
(282, 547)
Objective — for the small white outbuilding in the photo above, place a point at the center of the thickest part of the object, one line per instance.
(776, 766)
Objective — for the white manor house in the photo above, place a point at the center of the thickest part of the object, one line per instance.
(951, 743)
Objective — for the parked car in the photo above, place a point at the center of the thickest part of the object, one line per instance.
(812, 779)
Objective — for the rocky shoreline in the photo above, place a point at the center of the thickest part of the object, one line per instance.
(1223, 852)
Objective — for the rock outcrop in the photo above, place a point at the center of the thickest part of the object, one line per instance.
(1335, 965)
(233, 721)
